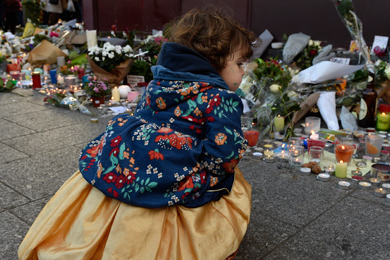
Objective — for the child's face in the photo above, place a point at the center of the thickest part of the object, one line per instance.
(233, 72)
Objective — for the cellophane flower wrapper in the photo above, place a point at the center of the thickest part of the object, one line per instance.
(269, 99)
(347, 13)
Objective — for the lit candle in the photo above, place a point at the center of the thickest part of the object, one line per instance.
(60, 79)
(341, 170)
(375, 182)
(379, 192)
(383, 121)
(279, 123)
(344, 184)
(115, 94)
(313, 135)
(323, 177)
(330, 169)
(364, 185)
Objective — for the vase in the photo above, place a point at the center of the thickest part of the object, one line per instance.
(97, 101)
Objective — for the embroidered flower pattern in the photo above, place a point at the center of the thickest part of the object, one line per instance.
(174, 159)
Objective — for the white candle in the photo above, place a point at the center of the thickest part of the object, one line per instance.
(115, 94)
(313, 135)
(323, 177)
(91, 38)
(60, 79)
(344, 185)
(364, 185)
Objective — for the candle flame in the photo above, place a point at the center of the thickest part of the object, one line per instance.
(342, 147)
(312, 132)
(383, 113)
(341, 161)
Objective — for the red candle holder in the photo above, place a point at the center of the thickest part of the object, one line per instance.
(36, 79)
(315, 142)
(252, 136)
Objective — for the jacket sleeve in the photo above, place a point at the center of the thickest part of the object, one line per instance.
(224, 143)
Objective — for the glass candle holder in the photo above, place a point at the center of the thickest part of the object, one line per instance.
(344, 152)
(296, 156)
(36, 79)
(373, 145)
(312, 123)
(316, 154)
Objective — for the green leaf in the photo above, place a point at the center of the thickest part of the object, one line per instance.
(114, 159)
(230, 156)
(147, 181)
(142, 182)
(136, 187)
(142, 189)
(109, 169)
(228, 130)
(148, 189)
(152, 184)
(122, 148)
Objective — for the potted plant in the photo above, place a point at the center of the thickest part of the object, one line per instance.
(97, 89)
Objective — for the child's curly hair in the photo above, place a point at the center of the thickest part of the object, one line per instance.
(212, 33)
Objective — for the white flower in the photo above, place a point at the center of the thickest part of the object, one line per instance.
(311, 42)
(104, 53)
(387, 71)
(111, 55)
(317, 43)
(97, 59)
(127, 48)
(292, 94)
(275, 88)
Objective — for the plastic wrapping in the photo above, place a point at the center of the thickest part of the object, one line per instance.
(295, 45)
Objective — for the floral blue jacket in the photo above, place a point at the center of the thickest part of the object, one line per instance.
(182, 144)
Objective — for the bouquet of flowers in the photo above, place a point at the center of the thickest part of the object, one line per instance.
(97, 88)
(272, 94)
(112, 62)
(354, 25)
(305, 59)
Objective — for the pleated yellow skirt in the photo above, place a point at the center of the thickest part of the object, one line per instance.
(80, 222)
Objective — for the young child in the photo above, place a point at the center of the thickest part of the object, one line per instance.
(162, 184)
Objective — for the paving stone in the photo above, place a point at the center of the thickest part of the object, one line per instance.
(9, 98)
(11, 130)
(56, 139)
(352, 229)
(30, 211)
(40, 175)
(49, 119)
(288, 196)
(17, 108)
(10, 198)
(13, 231)
(8, 154)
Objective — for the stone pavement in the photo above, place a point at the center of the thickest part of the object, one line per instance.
(293, 216)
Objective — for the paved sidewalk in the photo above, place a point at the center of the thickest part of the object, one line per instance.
(293, 216)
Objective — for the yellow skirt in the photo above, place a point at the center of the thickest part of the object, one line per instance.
(80, 222)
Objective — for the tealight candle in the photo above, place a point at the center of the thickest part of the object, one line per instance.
(257, 155)
(323, 177)
(386, 187)
(364, 185)
(341, 170)
(305, 171)
(60, 79)
(329, 169)
(344, 185)
(269, 158)
(379, 192)
(375, 182)
(388, 198)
